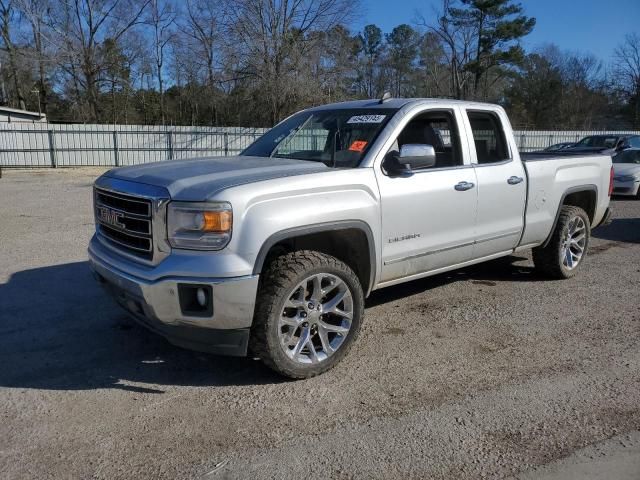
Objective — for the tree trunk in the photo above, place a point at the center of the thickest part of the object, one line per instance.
(478, 72)
(13, 64)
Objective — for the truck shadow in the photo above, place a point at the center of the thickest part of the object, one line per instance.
(487, 273)
(620, 230)
(60, 331)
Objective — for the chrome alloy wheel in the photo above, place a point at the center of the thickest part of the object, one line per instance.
(574, 243)
(316, 318)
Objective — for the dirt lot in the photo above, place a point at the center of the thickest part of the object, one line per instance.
(486, 372)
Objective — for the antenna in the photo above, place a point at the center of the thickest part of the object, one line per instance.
(385, 97)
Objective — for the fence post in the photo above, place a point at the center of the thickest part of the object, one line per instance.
(115, 148)
(550, 139)
(52, 148)
(226, 144)
(170, 144)
(523, 141)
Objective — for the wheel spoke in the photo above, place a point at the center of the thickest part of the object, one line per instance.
(568, 258)
(333, 328)
(296, 299)
(331, 287)
(292, 322)
(578, 237)
(316, 282)
(295, 303)
(313, 355)
(302, 341)
(288, 337)
(324, 340)
(331, 305)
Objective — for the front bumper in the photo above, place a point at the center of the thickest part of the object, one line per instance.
(156, 305)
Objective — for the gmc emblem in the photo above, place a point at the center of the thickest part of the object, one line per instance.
(111, 217)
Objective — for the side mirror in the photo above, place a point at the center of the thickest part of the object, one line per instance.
(411, 156)
(416, 156)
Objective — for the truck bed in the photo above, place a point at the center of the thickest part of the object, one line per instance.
(537, 156)
(551, 176)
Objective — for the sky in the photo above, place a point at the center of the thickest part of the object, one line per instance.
(595, 26)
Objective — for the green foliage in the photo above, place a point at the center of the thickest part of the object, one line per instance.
(252, 63)
(497, 24)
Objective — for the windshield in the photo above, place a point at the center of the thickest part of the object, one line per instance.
(599, 141)
(337, 138)
(628, 156)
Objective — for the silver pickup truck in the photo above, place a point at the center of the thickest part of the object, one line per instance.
(275, 250)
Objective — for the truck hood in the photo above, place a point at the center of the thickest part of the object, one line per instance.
(200, 179)
(626, 168)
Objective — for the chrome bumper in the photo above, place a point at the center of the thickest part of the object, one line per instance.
(156, 305)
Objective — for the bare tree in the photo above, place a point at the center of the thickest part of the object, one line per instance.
(627, 72)
(457, 36)
(273, 37)
(84, 26)
(8, 19)
(199, 47)
(36, 13)
(162, 17)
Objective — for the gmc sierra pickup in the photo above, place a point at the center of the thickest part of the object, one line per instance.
(275, 250)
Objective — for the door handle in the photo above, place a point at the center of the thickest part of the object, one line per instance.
(514, 180)
(462, 186)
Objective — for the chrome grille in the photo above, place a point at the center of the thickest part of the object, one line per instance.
(125, 222)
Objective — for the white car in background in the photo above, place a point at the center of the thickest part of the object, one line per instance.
(626, 168)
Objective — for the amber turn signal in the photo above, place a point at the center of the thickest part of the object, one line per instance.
(215, 221)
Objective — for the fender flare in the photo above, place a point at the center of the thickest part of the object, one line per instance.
(569, 191)
(319, 228)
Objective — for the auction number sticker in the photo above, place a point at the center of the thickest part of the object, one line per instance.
(366, 119)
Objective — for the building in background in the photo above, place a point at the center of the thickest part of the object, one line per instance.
(14, 115)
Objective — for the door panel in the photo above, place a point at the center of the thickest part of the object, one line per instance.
(426, 222)
(502, 190)
(502, 183)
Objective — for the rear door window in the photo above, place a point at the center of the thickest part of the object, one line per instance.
(488, 137)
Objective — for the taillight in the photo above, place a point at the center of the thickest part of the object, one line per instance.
(611, 182)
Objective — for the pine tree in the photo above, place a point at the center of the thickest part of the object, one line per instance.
(498, 25)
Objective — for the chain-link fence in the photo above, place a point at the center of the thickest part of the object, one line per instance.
(53, 145)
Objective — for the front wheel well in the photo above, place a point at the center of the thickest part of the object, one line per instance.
(349, 245)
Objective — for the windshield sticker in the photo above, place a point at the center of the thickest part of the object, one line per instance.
(366, 119)
(358, 146)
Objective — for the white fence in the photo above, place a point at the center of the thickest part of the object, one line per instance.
(57, 145)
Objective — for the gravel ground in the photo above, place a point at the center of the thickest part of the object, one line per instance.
(489, 371)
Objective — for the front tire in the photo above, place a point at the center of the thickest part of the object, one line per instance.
(308, 313)
(566, 249)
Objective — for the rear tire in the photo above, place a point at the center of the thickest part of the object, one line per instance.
(308, 314)
(566, 249)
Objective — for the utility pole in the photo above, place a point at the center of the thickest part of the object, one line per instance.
(3, 91)
(37, 93)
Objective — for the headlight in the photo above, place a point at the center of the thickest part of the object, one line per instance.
(625, 178)
(199, 226)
